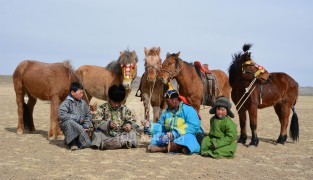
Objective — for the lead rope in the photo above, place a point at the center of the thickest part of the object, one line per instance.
(246, 99)
(246, 91)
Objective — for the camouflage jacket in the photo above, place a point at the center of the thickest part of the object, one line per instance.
(104, 114)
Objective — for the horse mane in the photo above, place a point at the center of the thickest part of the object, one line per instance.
(153, 51)
(232, 70)
(70, 71)
(115, 66)
(128, 58)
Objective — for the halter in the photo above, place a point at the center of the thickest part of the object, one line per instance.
(172, 75)
(260, 70)
(128, 70)
(147, 67)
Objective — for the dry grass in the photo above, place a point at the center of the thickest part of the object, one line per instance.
(32, 156)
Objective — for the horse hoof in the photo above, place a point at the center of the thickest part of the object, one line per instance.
(19, 132)
(32, 131)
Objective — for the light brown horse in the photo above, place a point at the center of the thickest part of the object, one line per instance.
(97, 80)
(151, 88)
(189, 79)
(44, 81)
(254, 88)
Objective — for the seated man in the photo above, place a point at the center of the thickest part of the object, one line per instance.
(116, 128)
(176, 128)
(74, 115)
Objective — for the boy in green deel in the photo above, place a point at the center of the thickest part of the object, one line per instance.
(221, 141)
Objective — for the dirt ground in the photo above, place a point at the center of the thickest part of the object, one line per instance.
(32, 156)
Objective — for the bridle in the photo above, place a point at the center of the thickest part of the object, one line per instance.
(128, 70)
(174, 73)
(260, 69)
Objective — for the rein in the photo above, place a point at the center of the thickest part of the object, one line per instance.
(246, 91)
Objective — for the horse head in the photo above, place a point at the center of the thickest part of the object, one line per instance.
(152, 63)
(250, 69)
(128, 61)
(170, 67)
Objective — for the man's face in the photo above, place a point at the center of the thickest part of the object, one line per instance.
(115, 105)
(78, 95)
(172, 103)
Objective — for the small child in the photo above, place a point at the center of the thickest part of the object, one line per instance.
(75, 118)
(221, 141)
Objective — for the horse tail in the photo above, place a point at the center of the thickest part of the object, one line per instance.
(294, 125)
(26, 116)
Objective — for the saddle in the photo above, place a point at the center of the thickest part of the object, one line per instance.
(210, 88)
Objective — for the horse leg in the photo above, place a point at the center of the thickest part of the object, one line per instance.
(30, 106)
(146, 106)
(156, 113)
(20, 109)
(243, 132)
(283, 113)
(55, 130)
(253, 113)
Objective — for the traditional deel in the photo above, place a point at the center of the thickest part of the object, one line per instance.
(119, 116)
(70, 113)
(223, 135)
(184, 123)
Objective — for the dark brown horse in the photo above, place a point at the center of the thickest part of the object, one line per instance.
(253, 88)
(97, 80)
(189, 79)
(151, 88)
(44, 81)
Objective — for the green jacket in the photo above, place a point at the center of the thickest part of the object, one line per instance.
(221, 141)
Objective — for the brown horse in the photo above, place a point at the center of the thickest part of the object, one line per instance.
(151, 88)
(189, 79)
(97, 80)
(46, 82)
(253, 88)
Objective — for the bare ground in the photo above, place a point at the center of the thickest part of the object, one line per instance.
(32, 156)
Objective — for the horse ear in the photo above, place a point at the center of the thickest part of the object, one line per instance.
(158, 50)
(178, 53)
(167, 55)
(121, 53)
(134, 53)
(146, 51)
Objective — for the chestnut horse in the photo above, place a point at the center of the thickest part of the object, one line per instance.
(189, 79)
(151, 88)
(254, 88)
(97, 80)
(46, 81)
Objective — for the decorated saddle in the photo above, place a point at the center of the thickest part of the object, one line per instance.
(210, 88)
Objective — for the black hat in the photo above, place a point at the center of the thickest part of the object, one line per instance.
(171, 92)
(224, 102)
(117, 93)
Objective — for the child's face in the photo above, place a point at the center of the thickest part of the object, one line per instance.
(115, 105)
(78, 95)
(221, 112)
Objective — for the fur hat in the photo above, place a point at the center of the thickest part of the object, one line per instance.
(224, 102)
(117, 93)
(171, 92)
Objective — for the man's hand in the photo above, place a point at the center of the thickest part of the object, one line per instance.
(113, 125)
(127, 127)
(145, 123)
(170, 135)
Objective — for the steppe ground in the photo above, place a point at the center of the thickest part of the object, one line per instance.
(32, 156)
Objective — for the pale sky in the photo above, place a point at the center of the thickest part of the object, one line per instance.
(94, 32)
